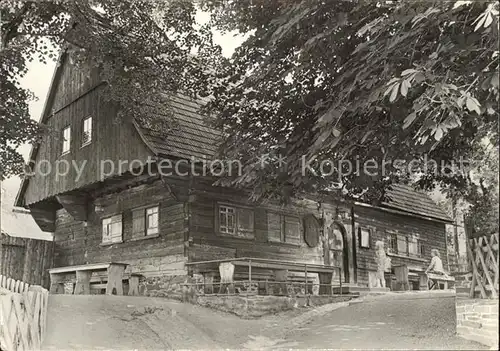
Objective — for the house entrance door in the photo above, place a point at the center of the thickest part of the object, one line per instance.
(336, 253)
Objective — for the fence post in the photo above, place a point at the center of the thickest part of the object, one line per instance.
(340, 280)
(305, 273)
(250, 274)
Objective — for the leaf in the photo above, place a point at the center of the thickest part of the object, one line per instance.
(405, 84)
(488, 20)
(409, 120)
(494, 80)
(394, 93)
(480, 21)
(392, 81)
(336, 132)
(423, 139)
(419, 77)
(461, 3)
(438, 133)
(408, 71)
(473, 105)
(366, 136)
(389, 90)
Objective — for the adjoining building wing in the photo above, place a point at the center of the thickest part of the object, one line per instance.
(408, 199)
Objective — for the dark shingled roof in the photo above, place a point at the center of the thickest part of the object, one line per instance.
(193, 138)
(408, 199)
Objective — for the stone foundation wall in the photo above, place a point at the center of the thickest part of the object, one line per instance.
(175, 287)
(477, 320)
(258, 305)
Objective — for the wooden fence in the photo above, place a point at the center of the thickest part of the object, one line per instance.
(23, 315)
(27, 260)
(483, 256)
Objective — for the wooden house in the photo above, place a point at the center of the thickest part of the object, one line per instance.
(159, 222)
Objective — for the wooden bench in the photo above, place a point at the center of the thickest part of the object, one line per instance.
(84, 275)
(435, 281)
(427, 281)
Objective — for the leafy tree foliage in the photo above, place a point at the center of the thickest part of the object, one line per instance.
(346, 81)
(143, 49)
(356, 81)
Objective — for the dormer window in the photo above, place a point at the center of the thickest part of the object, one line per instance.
(87, 131)
(66, 140)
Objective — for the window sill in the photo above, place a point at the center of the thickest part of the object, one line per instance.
(284, 243)
(225, 235)
(110, 244)
(414, 258)
(65, 153)
(145, 237)
(86, 144)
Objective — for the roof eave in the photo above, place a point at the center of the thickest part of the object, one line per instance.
(406, 213)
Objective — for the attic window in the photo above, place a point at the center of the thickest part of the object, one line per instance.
(87, 131)
(66, 140)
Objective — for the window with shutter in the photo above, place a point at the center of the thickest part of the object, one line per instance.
(152, 220)
(245, 222)
(112, 229)
(413, 246)
(274, 227)
(66, 140)
(284, 229)
(292, 230)
(138, 223)
(145, 221)
(406, 245)
(87, 131)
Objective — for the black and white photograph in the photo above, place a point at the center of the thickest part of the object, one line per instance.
(249, 175)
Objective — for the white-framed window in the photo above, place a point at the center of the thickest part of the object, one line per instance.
(112, 229)
(87, 131)
(364, 237)
(236, 221)
(152, 220)
(227, 219)
(66, 142)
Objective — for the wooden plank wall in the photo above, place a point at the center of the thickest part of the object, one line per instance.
(76, 98)
(26, 259)
(77, 244)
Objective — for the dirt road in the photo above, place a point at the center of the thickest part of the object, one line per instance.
(119, 322)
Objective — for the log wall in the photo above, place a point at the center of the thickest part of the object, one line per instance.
(77, 243)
